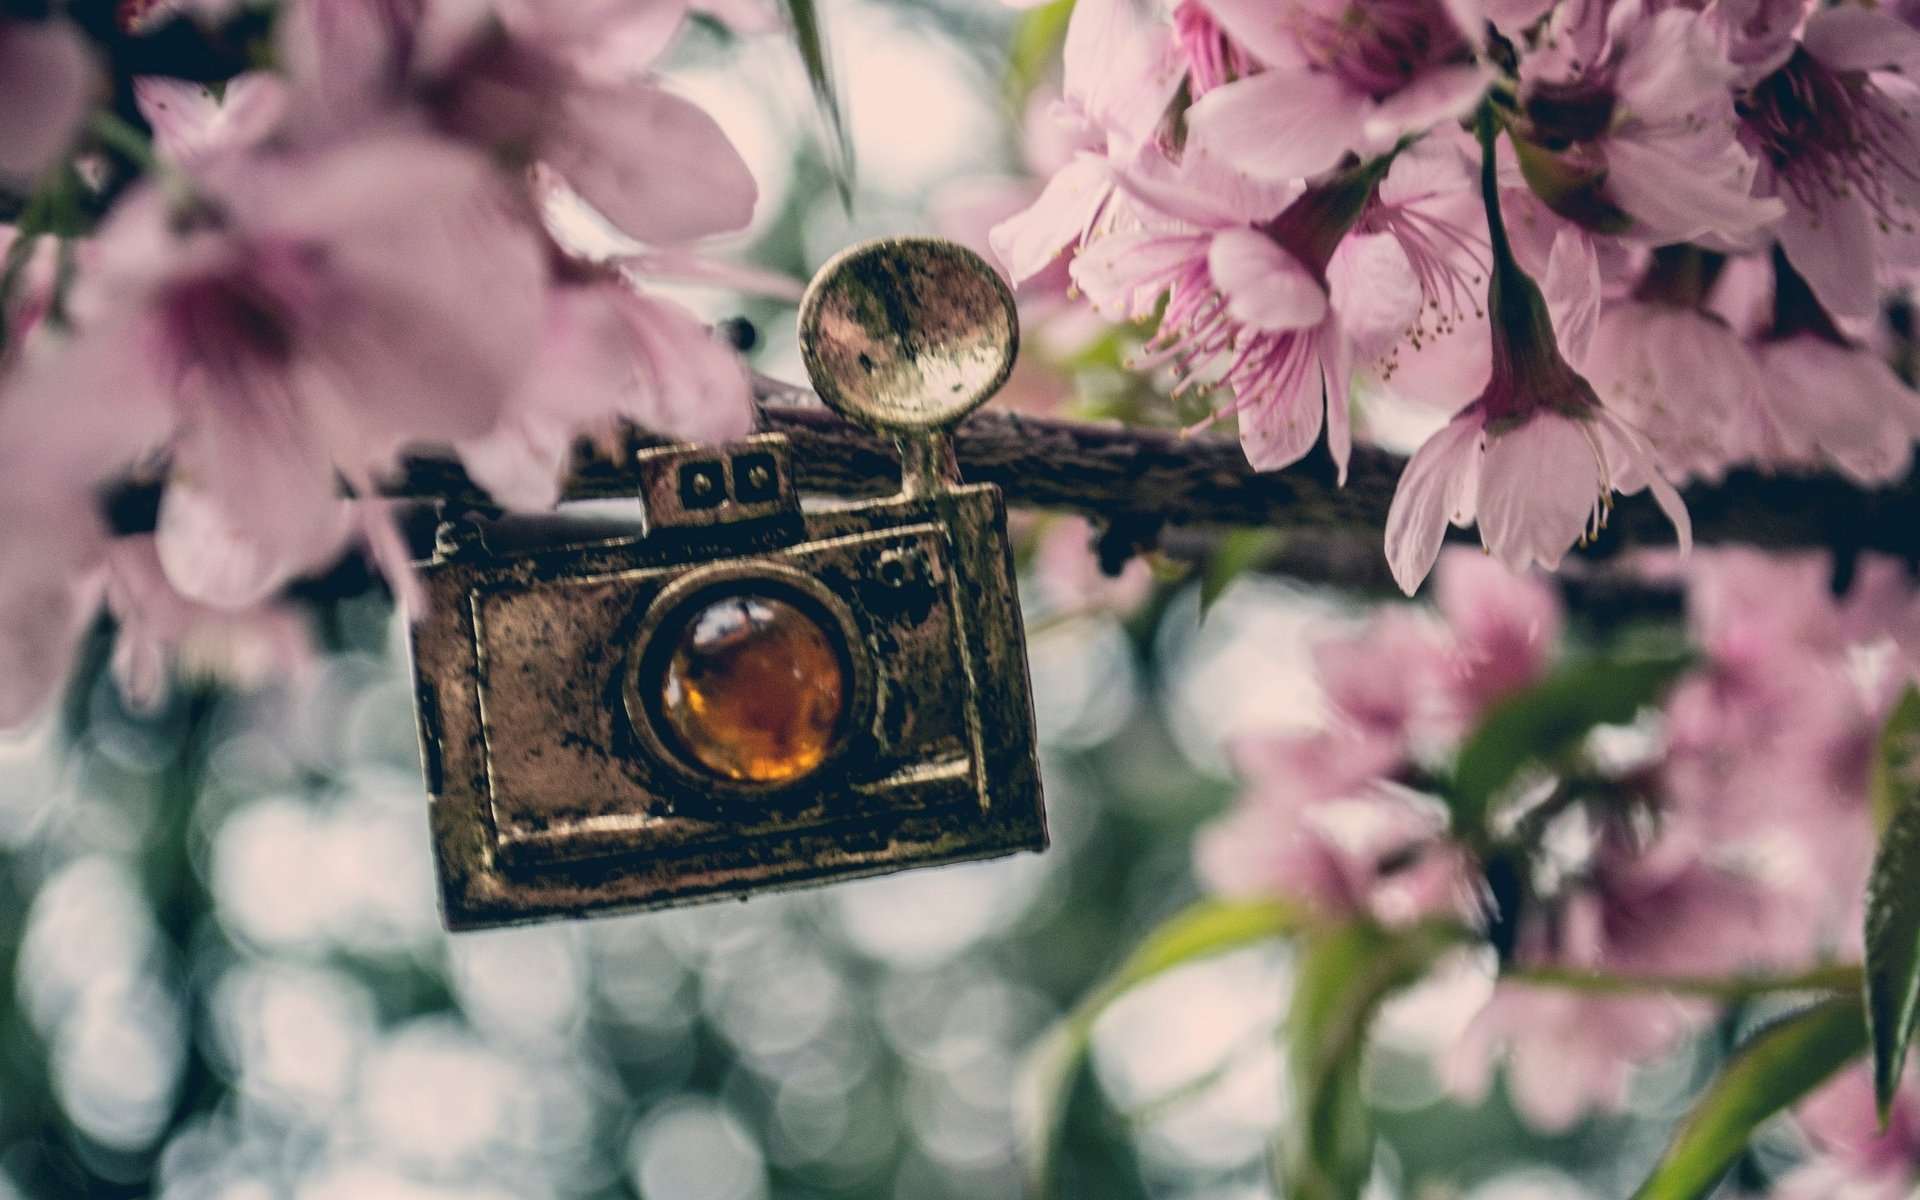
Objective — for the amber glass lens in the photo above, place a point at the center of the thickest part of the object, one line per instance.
(755, 689)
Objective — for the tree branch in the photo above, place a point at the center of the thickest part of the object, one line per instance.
(1115, 473)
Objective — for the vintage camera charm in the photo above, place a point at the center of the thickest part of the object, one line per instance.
(741, 695)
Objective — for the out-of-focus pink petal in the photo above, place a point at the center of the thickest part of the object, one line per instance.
(1440, 94)
(1508, 625)
(1264, 286)
(1831, 244)
(609, 355)
(655, 165)
(689, 386)
(1838, 405)
(1437, 485)
(344, 58)
(685, 266)
(609, 38)
(158, 629)
(49, 592)
(230, 560)
(1265, 29)
(1279, 125)
(1851, 38)
(47, 83)
(188, 121)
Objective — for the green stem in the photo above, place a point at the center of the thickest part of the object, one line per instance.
(1486, 126)
(115, 133)
(1834, 977)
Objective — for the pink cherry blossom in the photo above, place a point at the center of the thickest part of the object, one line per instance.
(160, 633)
(1827, 402)
(560, 84)
(1630, 129)
(1380, 854)
(1856, 1158)
(190, 123)
(1535, 459)
(1386, 681)
(309, 317)
(63, 437)
(1264, 291)
(1121, 70)
(1566, 1054)
(1683, 377)
(1213, 56)
(1341, 76)
(609, 353)
(1506, 626)
(48, 82)
(1535, 487)
(1665, 906)
(1837, 131)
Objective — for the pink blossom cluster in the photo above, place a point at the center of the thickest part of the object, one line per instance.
(1665, 253)
(325, 265)
(1725, 834)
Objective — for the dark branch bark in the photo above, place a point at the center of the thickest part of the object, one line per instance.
(1115, 473)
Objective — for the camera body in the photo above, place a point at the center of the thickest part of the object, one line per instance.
(737, 696)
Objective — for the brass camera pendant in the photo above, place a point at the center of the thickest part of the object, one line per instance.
(742, 695)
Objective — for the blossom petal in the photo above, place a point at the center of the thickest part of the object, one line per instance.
(188, 120)
(1832, 246)
(1264, 286)
(655, 165)
(1336, 370)
(47, 80)
(1539, 489)
(1120, 69)
(1264, 28)
(1571, 287)
(1853, 38)
(1028, 242)
(226, 560)
(1436, 95)
(1674, 192)
(49, 592)
(1124, 274)
(1280, 125)
(1429, 493)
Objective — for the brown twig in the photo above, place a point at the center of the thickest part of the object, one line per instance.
(1112, 472)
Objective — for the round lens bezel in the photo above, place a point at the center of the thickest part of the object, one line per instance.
(658, 635)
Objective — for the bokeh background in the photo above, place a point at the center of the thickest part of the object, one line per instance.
(228, 980)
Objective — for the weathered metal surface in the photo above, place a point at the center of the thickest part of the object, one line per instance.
(908, 335)
(559, 786)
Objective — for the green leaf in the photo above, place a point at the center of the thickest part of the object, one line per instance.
(1237, 552)
(1774, 1069)
(1545, 723)
(1896, 760)
(1341, 977)
(1893, 903)
(812, 43)
(1035, 50)
(1204, 930)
